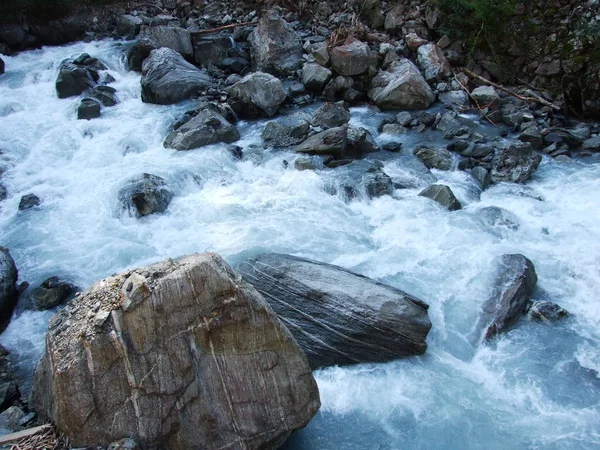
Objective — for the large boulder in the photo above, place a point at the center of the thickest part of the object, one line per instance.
(329, 142)
(1, 66)
(208, 127)
(315, 77)
(181, 354)
(74, 79)
(330, 115)
(513, 287)
(8, 287)
(514, 162)
(145, 194)
(443, 195)
(352, 58)
(175, 38)
(360, 142)
(434, 64)
(89, 108)
(276, 48)
(401, 86)
(377, 183)
(337, 316)
(168, 78)
(211, 48)
(256, 95)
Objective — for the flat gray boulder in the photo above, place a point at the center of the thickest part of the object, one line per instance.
(337, 316)
(256, 95)
(167, 78)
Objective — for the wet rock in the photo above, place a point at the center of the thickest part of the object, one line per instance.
(167, 78)
(8, 287)
(188, 356)
(9, 419)
(337, 316)
(51, 293)
(401, 86)
(514, 162)
(360, 142)
(482, 176)
(315, 76)
(560, 135)
(546, 311)
(175, 38)
(29, 201)
(89, 108)
(9, 389)
(330, 115)
(513, 287)
(353, 58)
(279, 135)
(377, 183)
(404, 118)
(207, 127)
(329, 142)
(276, 48)
(129, 26)
(494, 216)
(532, 135)
(124, 444)
(434, 64)
(443, 195)
(304, 164)
(484, 95)
(74, 79)
(236, 152)
(434, 157)
(145, 194)
(105, 94)
(256, 95)
(3, 193)
(592, 144)
(138, 52)
(212, 48)
(2, 66)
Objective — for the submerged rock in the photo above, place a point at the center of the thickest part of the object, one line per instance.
(279, 135)
(514, 162)
(105, 94)
(337, 316)
(29, 201)
(443, 195)
(498, 217)
(8, 287)
(377, 183)
(74, 79)
(89, 108)
(145, 194)
(181, 354)
(256, 95)
(546, 311)
(52, 292)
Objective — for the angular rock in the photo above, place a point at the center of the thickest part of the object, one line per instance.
(401, 86)
(128, 25)
(414, 41)
(304, 164)
(29, 201)
(2, 66)
(9, 419)
(434, 157)
(9, 390)
(360, 142)
(484, 95)
(89, 108)
(138, 52)
(52, 292)
(329, 142)
(377, 183)
(315, 76)
(337, 316)
(167, 78)
(434, 64)
(189, 356)
(353, 58)
(73, 80)
(145, 194)
(105, 94)
(533, 136)
(256, 95)
(208, 127)
(482, 176)
(279, 135)
(443, 195)
(457, 99)
(211, 48)
(330, 115)
(546, 311)
(514, 162)
(513, 287)
(175, 38)
(320, 52)
(276, 48)
(592, 144)
(8, 287)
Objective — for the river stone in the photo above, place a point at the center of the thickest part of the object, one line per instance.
(211, 48)
(401, 86)
(360, 142)
(145, 194)
(434, 157)
(52, 292)
(167, 78)
(315, 77)
(546, 311)
(377, 183)
(8, 287)
(329, 142)
(514, 162)
(275, 47)
(175, 38)
(353, 58)
(89, 108)
(495, 216)
(513, 287)
(434, 64)
(105, 94)
(443, 195)
(208, 127)
(2, 66)
(279, 135)
(330, 115)
(74, 79)
(9, 390)
(128, 25)
(256, 95)
(592, 144)
(29, 201)
(186, 355)
(337, 316)
(482, 176)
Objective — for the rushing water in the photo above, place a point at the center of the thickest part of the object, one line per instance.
(536, 386)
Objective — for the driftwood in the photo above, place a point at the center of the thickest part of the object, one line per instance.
(224, 27)
(534, 97)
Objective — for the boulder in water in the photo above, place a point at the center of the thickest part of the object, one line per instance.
(329, 142)
(256, 95)
(2, 66)
(145, 194)
(434, 157)
(360, 142)
(514, 162)
(482, 176)
(8, 287)
(29, 201)
(168, 78)
(337, 316)
(74, 79)
(494, 216)
(105, 94)
(546, 311)
(377, 183)
(175, 38)
(181, 354)
(330, 115)
(443, 195)
(88, 109)
(52, 292)
(279, 135)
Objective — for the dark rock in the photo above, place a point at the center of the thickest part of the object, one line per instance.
(128, 25)
(404, 118)
(175, 38)
(164, 20)
(371, 14)
(3, 193)
(592, 144)
(360, 142)
(533, 136)
(494, 216)
(434, 157)
(105, 94)
(329, 142)
(88, 109)
(512, 289)
(393, 147)
(514, 162)
(256, 95)
(29, 201)
(443, 195)
(185, 355)
(482, 176)
(145, 194)
(9, 419)
(9, 389)
(330, 115)
(234, 65)
(353, 58)
(562, 135)
(73, 80)
(211, 48)
(315, 76)
(546, 311)
(167, 78)
(236, 151)
(2, 66)
(8, 287)
(279, 135)
(337, 316)
(377, 183)
(52, 293)
(138, 52)
(485, 95)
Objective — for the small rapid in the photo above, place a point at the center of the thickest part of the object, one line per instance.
(537, 386)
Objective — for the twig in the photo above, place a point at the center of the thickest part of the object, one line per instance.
(225, 27)
(536, 98)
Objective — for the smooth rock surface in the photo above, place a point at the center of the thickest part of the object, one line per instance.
(256, 95)
(337, 316)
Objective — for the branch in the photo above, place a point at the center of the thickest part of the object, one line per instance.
(225, 27)
(479, 108)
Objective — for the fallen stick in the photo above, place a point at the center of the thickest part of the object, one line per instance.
(536, 98)
(479, 108)
(224, 27)
(22, 434)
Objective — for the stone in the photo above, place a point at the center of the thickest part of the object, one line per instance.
(329, 142)
(304, 164)
(9, 390)
(105, 94)
(167, 78)
(377, 183)
(8, 287)
(558, 135)
(211, 48)
(51, 293)
(592, 144)
(320, 53)
(434, 157)
(73, 80)
(360, 142)
(546, 311)
(339, 317)
(484, 95)
(482, 176)
(124, 444)
(89, 108)
(175, 38)
(129, 26)
(513, 287)
(532, 135)
(371, 14)
(443, 195)
(2, 66)
(434, 64)
(145, 194)
(315, 77)
(414, 41)
(514, 162)
(138, 52)
(330, 115)
(458, 99)
(401, 86)
(404, 118)
(353, 58)
(191, 357)
(394, 19)
(549, 69)
(9, 419)
(207, 127)
(279, 135)
(29, 201)
(256, 95)
(275, 47)
(494, 216)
